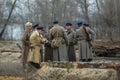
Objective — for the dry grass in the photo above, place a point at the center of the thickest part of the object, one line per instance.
(10, 78)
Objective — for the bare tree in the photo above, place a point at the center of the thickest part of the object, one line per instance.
(103, 14)
(7, 19)
(84, 4)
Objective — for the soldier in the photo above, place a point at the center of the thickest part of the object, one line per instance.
(34, 51)
(83, 34)
(71, 38)
(26, 42)
(42, 45)
(59, 42)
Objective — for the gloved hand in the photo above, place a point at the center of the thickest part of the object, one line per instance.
(31, 46)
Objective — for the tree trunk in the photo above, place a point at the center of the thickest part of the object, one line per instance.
(5, 25)
(86, 11)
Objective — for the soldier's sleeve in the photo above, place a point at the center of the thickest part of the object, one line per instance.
(32, 38)
(24, 41)
(65, 36)
(23, 38)
(74, 37)
(93, 35)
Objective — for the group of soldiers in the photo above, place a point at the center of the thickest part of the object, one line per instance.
(58, 44)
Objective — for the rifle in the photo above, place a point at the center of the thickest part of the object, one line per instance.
(88, 37)
(18, 45)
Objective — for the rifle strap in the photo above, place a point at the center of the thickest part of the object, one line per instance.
(68, 32)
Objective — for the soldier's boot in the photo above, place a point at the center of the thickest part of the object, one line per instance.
(84, 60)
(90, 59)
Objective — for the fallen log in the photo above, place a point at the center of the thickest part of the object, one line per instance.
(85, 73)
(105, 52)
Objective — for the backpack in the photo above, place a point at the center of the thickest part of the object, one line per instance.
(55, 42)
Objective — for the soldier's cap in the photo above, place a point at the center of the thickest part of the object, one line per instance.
(80, 22)
(68, 24)
(36, 25)
(86, 24)
(28, 24)
(39, 28)
(55, 22)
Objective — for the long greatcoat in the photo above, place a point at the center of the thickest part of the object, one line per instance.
(34, 52)
(85, 52)
(60, 53)
(72, 41)
(25, 45)
(48, 49)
